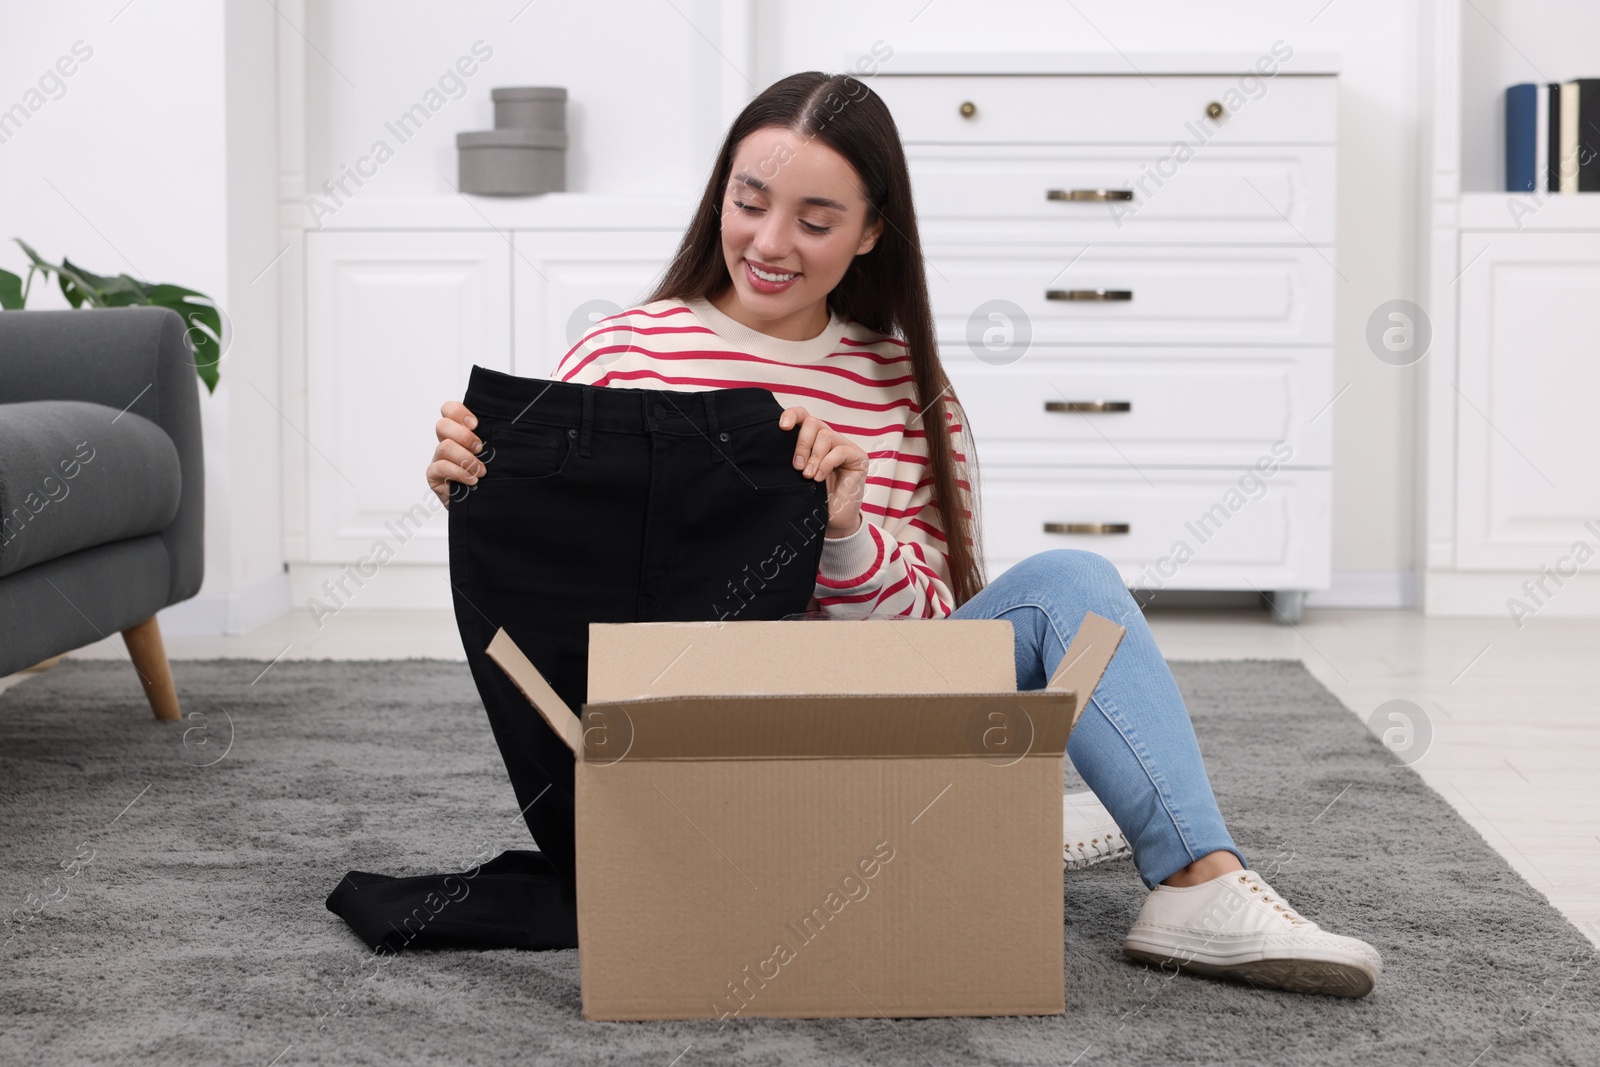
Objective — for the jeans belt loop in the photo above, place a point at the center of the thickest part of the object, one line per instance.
(711, 428)
(584, 433)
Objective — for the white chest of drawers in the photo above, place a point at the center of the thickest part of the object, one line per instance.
(1132, 279)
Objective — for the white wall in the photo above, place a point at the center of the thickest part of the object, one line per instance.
(254, 579)
(125, 171)
(145, 164)
(1375, 482)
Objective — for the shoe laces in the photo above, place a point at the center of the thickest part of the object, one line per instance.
(1085, 853)
(1253, 881)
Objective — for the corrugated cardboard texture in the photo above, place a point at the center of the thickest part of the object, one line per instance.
(1086, 658)
(742, 888)
(557, 715)
(819, 818)
(836, 725)
(629, 660)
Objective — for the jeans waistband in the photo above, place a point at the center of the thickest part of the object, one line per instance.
(618, 409)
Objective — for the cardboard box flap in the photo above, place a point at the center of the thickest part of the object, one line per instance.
(1000, 726)
(733, 707)
(557, 715)
(1086, 658)
(640, 659)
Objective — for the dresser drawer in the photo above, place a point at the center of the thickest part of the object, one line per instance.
(1024, 193)
(1235, 529)
(1148, 407)
(1158, 294)
(1111, 109)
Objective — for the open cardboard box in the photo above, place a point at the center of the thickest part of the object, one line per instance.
(818, 818)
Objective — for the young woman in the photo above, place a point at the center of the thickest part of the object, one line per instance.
(802, 273)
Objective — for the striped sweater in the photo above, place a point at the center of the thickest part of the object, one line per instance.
(858, 382)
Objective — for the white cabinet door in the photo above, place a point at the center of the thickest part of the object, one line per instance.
(1528, 378)
(565, 280)
(394, 323)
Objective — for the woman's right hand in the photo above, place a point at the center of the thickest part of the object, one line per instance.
(455, 459)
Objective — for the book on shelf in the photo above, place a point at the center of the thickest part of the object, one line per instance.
(1521, 122)
(1569, 137)
(1588, 148)
(1553, 137)
(1541, 139)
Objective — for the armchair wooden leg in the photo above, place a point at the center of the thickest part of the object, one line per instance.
(150, 660)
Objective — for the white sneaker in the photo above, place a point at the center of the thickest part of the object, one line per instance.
(1236, 926)
(1089, 834)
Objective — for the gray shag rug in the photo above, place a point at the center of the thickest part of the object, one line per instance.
(165, 882)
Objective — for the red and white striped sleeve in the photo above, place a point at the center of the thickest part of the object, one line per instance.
(896, 563)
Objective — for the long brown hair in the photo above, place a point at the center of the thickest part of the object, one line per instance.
(884, 289)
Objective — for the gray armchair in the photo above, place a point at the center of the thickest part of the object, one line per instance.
(102, 498)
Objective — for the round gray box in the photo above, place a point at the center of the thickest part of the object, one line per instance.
(512, 162)
(536, 107)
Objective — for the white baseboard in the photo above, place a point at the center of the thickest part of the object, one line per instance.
(1506, 595)
(393, 587)
(1367, 589)
(235, 612)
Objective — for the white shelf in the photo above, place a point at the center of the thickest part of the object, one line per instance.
(549, 211)
(1530, 211)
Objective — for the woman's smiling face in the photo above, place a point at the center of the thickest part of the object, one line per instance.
(794, 211)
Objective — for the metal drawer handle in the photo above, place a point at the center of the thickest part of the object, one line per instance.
(1100, 295)
(1087, 527)
(1070, 406)
(1088, 194)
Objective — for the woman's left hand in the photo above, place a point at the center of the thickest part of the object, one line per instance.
(822, 452)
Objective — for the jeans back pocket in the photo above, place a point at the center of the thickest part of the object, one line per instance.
(761, 456)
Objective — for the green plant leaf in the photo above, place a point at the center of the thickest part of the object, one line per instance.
(37, 261)
(203, 322)
(202, 318)
(94, 281)
(11, 298)
(75, 287)
(124, 291)
(69, 287)
(121, 291)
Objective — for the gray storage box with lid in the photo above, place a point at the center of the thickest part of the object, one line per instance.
(539, 107)
(526, 153)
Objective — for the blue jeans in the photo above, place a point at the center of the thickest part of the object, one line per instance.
(1134, 744)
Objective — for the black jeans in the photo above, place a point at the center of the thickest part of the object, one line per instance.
(599, 505)
(616, 505)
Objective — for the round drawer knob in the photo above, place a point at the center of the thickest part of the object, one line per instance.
(1215, 110)
(968, 109)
